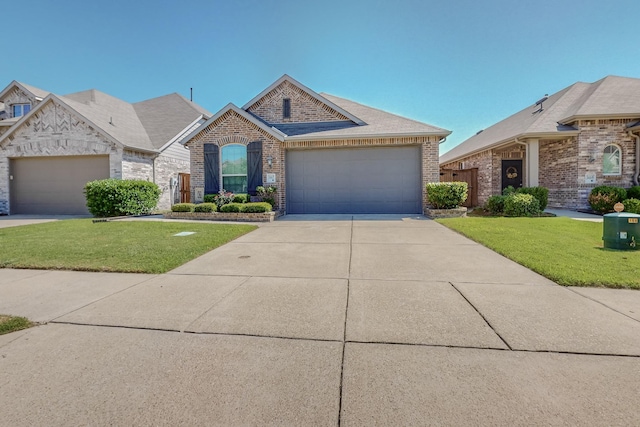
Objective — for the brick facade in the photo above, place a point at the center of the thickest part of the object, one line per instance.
(563, 164)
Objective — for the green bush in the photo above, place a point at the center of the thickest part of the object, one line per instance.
(210, 198)
(268, 194)
(446, 195)
(231, 207)
(603, 198)
(117, 197)
(634, 192)
(632, 205)
(240, 198)
(183, 207)
(223, 198)
(509, 190)
(495, 205)
(519, 204)
(205, 207)
(256, 207)
(540, 193)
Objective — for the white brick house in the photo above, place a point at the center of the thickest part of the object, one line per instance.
(51, 145)
(324, 154)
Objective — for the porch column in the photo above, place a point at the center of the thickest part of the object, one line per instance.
(533, 161)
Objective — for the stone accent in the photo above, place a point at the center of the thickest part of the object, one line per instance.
(304, 108)
(166, 168)
(224, 216)
(446, 213)
(54, 131)
(17, 96)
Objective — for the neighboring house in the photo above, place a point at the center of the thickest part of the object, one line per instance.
(323, 153)
(583, 136)
(51, 145)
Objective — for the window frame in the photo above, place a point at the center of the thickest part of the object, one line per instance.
(223, 175)
(286, 108)
(617, 148)
(22, 106)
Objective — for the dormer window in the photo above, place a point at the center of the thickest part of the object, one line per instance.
(286, 108)
(19, 110)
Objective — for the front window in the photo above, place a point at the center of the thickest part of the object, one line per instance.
(19, 110)
(234, 168)
(612, 160)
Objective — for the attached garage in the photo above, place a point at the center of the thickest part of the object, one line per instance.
(53, 185)
(378, 180)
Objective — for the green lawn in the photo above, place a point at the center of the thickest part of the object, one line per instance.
(122, 246)
(565, 250)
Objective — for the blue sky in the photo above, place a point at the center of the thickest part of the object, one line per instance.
(458, 64)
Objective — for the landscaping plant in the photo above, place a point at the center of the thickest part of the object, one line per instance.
(183, 207)
(603, 198)
(205, 207)
(519, 204)
(632, 206)
(267, 194)
(446, 195)
(634, 192)
(119, 197)
(495, 205)
(540, 193)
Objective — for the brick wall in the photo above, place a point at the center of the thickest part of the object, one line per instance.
(234, 129)
(304, 108)
(484, 161)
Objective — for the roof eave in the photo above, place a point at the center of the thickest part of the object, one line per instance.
(182, 132)
(512, 140)
(366, 136)
(573, 118)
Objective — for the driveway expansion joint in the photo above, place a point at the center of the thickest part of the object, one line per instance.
(601, 303)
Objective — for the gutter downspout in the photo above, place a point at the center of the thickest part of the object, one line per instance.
(636, 176)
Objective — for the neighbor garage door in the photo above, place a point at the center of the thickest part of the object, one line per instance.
(354, 180)
(53, 185)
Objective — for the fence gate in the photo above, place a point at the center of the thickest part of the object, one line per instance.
(470, 176)
(185, 187)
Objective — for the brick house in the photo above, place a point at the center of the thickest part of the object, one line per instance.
(580, 137)
(51, 145)
(324, 154)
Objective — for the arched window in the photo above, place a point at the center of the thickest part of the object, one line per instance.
(234, 168)
(612, 160)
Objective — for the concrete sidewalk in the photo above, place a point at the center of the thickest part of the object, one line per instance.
(329, 320)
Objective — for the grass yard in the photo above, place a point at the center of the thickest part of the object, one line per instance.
(565, 250)
(13, 323)
(117, 246)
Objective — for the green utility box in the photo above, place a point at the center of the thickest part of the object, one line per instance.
(621, 231)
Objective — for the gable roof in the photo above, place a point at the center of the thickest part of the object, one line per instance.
(313, 94)
(559, 111)
(144, 126)
(39, 94)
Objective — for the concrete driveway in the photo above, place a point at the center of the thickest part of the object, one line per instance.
(335, 320)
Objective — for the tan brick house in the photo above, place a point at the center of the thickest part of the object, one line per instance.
(51, 145)
(323, 153)
(580, 137)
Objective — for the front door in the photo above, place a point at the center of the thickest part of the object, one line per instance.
(511, 173)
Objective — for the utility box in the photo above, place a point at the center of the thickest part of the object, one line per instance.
(621, 231)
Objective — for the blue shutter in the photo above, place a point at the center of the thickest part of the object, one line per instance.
(254, 166)
(211, 169)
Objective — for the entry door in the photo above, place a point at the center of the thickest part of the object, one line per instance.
(511, 173)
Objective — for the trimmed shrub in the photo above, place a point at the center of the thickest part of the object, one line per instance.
(117, 197)
(210, 198)
(495, 205)
(508, 190)
(520, 204)
(634, 192)
(540, 193)
(257, 207)
(240, 198)
(183, 207)
(446, 195)
(231, 207)
(632, 205)
(205, 207)
(603, 198)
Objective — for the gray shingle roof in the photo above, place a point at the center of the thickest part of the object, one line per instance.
(377, 123)
(611, 96)
(36, 91)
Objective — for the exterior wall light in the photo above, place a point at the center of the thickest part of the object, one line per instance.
(270, 161)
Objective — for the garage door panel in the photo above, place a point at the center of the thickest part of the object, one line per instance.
(53, 185)
(354, 180)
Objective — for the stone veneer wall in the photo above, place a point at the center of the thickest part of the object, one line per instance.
(304, 108)
(17, 96)
(54, 131)
(167, 168)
